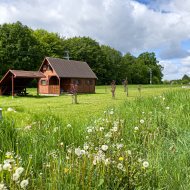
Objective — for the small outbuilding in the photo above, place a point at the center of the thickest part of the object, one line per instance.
(16, 81)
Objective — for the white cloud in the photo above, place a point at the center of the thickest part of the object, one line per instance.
(126, 25)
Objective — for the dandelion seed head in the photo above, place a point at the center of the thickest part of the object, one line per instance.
(145, 164)
(24, 183)
(7, 166)
(104, 147)
(120, 166)
(78, 151)
(16, 177)
(19, 170)
(69, 125)
(136, 128)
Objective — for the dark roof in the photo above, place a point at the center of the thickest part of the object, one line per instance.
(27, 74)
(70, 68)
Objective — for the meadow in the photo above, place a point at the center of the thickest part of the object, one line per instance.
(136, 142)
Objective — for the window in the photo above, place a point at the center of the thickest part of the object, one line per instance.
(77, 81)
(43, 82)
(44, 67)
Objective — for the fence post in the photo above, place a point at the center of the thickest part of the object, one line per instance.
(1, 114)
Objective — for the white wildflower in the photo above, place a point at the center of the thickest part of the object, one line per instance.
(142, 121)
(89, 130)
(145, 164)
(86, 147)
(7, 166)
(16, 177)
(2, 186)
(19, 170)
(24, 183)
(69, 125)
(8, 154)
(129, 152)
(69, 150)
(108, 135)
(167, 107)
(116, 123)
(55, 129)
(120, 166)
(114, 129)
(119, 146)
(61, 144)
(104, 147)
(107, 161)
(82, 152)
(136, 128)
(101, 128)
(78, 151)
(94, 162)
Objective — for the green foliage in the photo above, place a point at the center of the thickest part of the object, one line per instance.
(19, 49)
(24, 48)
(51, 44)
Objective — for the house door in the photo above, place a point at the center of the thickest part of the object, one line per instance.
(54, 85)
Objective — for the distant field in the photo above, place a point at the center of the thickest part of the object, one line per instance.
(90, 105)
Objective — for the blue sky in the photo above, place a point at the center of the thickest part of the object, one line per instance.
(136, 26)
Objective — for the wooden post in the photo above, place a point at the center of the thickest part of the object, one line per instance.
(59, 86)
(38, 80)
(1, 114)
(12, 86)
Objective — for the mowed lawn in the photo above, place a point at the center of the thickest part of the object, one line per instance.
(89, 106)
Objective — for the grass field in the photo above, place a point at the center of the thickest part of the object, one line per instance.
(90, 105)
(135, 142)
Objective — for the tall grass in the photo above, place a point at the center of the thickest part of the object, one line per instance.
(143, 144)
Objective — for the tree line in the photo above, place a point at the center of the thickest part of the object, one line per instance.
(23, 48)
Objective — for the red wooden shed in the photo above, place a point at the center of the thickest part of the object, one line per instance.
(60, 73)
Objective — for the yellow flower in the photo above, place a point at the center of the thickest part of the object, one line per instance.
(66, 170)
(121, 158)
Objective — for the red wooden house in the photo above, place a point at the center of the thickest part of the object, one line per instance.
(60, 73)
(55, 76)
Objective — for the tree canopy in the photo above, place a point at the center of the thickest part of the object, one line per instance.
(24, 48)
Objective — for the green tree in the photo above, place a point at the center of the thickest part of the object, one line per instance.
(51, 44)
(150, 61)
(112, 64)
(19, 49)
(127, 63)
